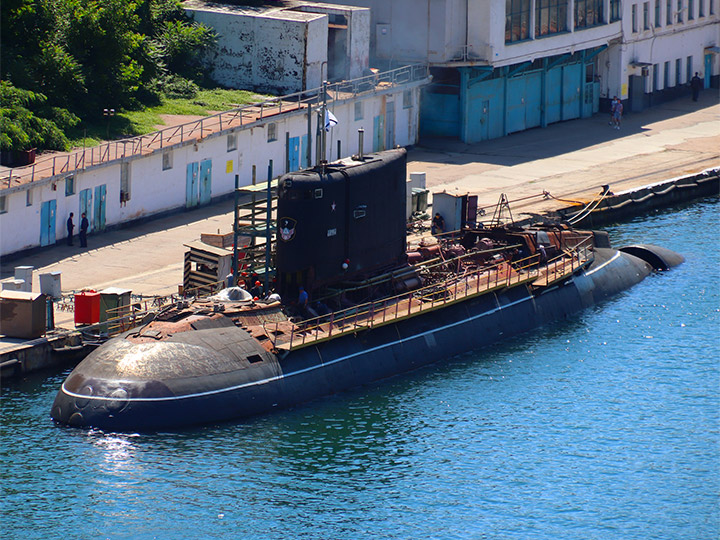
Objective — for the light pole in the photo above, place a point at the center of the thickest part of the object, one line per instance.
(108, 113)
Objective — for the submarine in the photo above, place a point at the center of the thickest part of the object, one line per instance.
(372, 309)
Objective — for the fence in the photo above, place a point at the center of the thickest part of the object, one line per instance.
(145, 144)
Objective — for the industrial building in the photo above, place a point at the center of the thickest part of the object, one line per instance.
(503, 66)
(285, 46)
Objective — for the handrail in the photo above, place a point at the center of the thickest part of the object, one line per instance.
(499, 275)
(75, 161)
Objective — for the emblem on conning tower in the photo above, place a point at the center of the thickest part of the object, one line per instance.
(287, 229)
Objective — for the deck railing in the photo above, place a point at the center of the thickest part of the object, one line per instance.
(79, 160)
(458, 287)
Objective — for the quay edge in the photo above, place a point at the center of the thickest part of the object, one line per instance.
(638, 201)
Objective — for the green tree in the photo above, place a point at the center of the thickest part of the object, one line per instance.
(83, 56)
(27, 122)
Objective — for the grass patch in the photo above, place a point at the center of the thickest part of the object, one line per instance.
(133, 123)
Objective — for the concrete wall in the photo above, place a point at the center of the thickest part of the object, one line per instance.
(154, 190)
(357, 42)
(279, 52)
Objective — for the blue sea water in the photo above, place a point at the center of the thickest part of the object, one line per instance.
(605, 427)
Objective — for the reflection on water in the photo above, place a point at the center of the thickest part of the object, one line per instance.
(602, 427)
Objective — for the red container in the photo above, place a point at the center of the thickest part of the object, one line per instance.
(87, 307)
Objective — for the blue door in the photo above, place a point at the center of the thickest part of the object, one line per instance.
(205, 181)
(708, 70)
(86, 204)
(571, 91)
(304, 152)
(439, 114)
(515, 104)
(47, 223)
(378, 133)
(533, 99)
(484, 120)
(98, 222)
(390, 124)
(191, 185)
(553, 95)
(294, 154)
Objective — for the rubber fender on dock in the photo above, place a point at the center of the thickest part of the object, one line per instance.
(659, 258)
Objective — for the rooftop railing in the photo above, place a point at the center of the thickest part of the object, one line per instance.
(78, 160)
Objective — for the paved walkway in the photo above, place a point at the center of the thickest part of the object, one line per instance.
(570, 160)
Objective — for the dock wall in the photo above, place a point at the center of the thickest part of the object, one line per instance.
(638, 201)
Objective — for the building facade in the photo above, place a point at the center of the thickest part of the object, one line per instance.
(138, 178)
(284, 49)
(502, 66)
(665, 42)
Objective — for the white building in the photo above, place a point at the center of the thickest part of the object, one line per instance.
(665, 42)
(502, 66)
(188, 166)
(290, 47)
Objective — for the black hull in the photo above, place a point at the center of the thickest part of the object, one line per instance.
(329, 367)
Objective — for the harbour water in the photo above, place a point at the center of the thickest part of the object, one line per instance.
(602, 427)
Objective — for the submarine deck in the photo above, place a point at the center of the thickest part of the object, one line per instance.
(459, 286)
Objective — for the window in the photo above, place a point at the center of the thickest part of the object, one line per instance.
(167, 161)
(646, 16)
(69, 186)
(666, 75)
(517, 20)
(658, 19)
(407, 99)
(691, 10)
(231, 142)
(358, 110)
(711, 5)
(679, 11)
(272, 132)
(551, 16)
(678, 71)
(588, 13)
(634, 18)
(701, 8)
(688, 69)
(615, 10)
(28, 197)
(668, 12)
(3, 204)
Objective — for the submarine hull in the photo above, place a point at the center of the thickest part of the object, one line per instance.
(218, 374)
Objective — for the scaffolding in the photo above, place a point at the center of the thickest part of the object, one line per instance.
(254, 223)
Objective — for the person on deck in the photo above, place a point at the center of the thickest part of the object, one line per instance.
(438, 224)
(257, 290)
(303, 298)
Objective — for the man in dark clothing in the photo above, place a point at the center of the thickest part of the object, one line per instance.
(70, 227)
(696, 84)
(257, 290)
(84, 225)
(438, 224)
